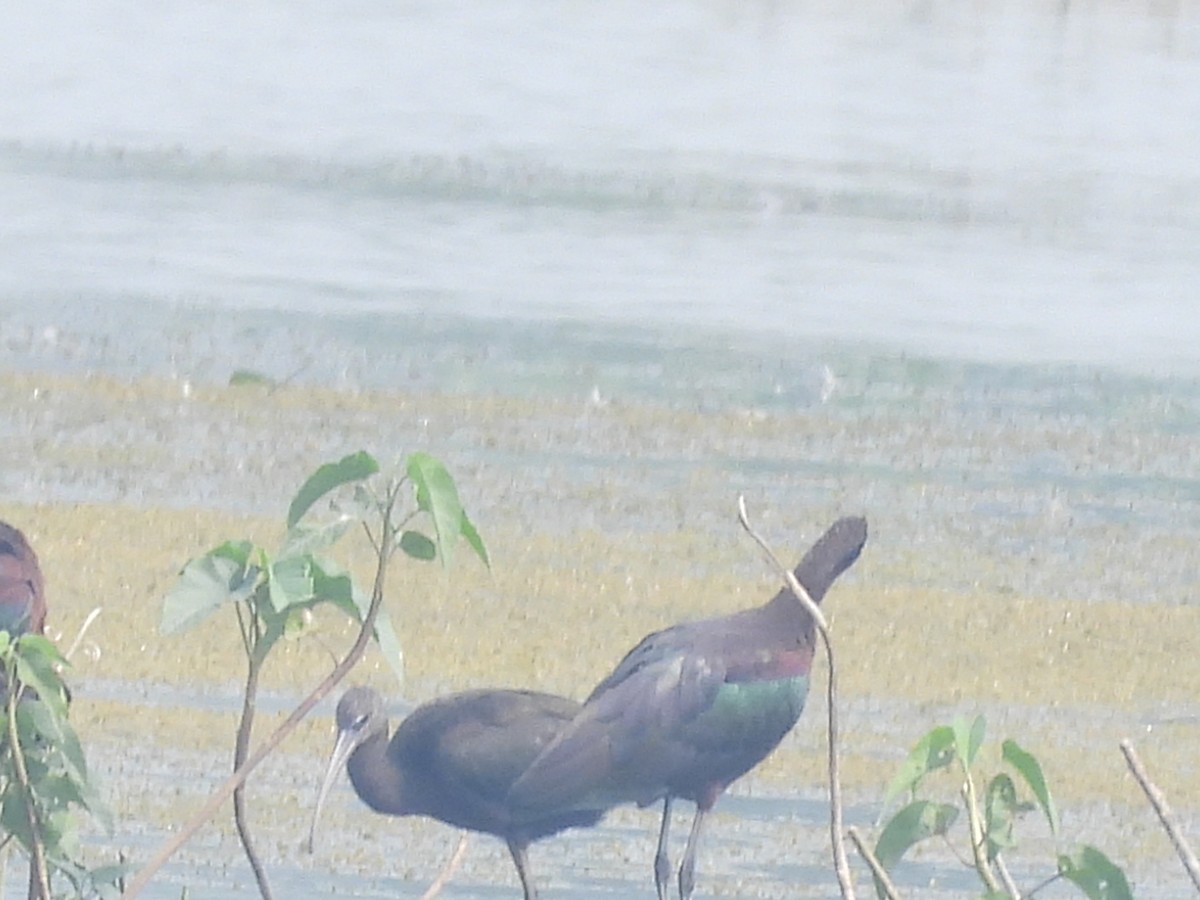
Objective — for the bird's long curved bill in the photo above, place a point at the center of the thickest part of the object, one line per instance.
(341, 752)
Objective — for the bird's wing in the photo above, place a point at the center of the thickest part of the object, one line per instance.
(486, 739)
(651, 652)
(630, 725)
(833, 553)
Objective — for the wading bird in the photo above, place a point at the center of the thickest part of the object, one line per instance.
(22, 594)
(454, 759)
(691, 708)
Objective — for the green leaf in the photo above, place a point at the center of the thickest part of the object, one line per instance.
(38, 721)
(438, 496)
(297, 621)
(389, 644)
(204, 585)
(355, 467)
(968, 738)
(103, 880)
(289, 582)
(37, 659)
(107, 876)
(13, 818)
(42, 648)
(249, 377)
(240, 552)
(1000, 811)
(48, 732)
(934, 751)
(418, 546)
(476, 542)
(332, 584)
(916, 822)
(274, 626)
(1093, 872)
(1031, 770)
(302, 539)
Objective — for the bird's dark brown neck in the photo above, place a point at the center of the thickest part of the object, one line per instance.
(378, 782)
(785, 616)
(828, 558)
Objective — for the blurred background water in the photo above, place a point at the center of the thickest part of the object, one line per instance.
(1011, 183)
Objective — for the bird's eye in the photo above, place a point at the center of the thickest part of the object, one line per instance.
(359, 723)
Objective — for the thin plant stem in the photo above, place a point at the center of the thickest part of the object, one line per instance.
(978, 852)
(1159, 801)
(841, 861)
(882, 879)
(1006, 878)
(956, 852)
(1037, 888)
(450, 868)
(240, 748)
(39, 874)
(353, 655)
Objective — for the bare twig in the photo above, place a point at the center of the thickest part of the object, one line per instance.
(796, 587)
(353, 655)
(1042, 885)
(83, 630)
(452, 865)
(882, 879)
(1159, 801)
(841, 862)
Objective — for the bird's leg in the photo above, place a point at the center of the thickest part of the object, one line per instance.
(662, 863)
(520, 856)
(687, 868)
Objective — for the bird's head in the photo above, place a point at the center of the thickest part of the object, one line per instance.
(360, 716)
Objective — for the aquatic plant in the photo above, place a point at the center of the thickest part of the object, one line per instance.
(991, 816)
(44, 778)
(273, 594)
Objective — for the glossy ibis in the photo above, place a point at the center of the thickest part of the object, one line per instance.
(454, 759)
(22, 594)
(691, 708)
